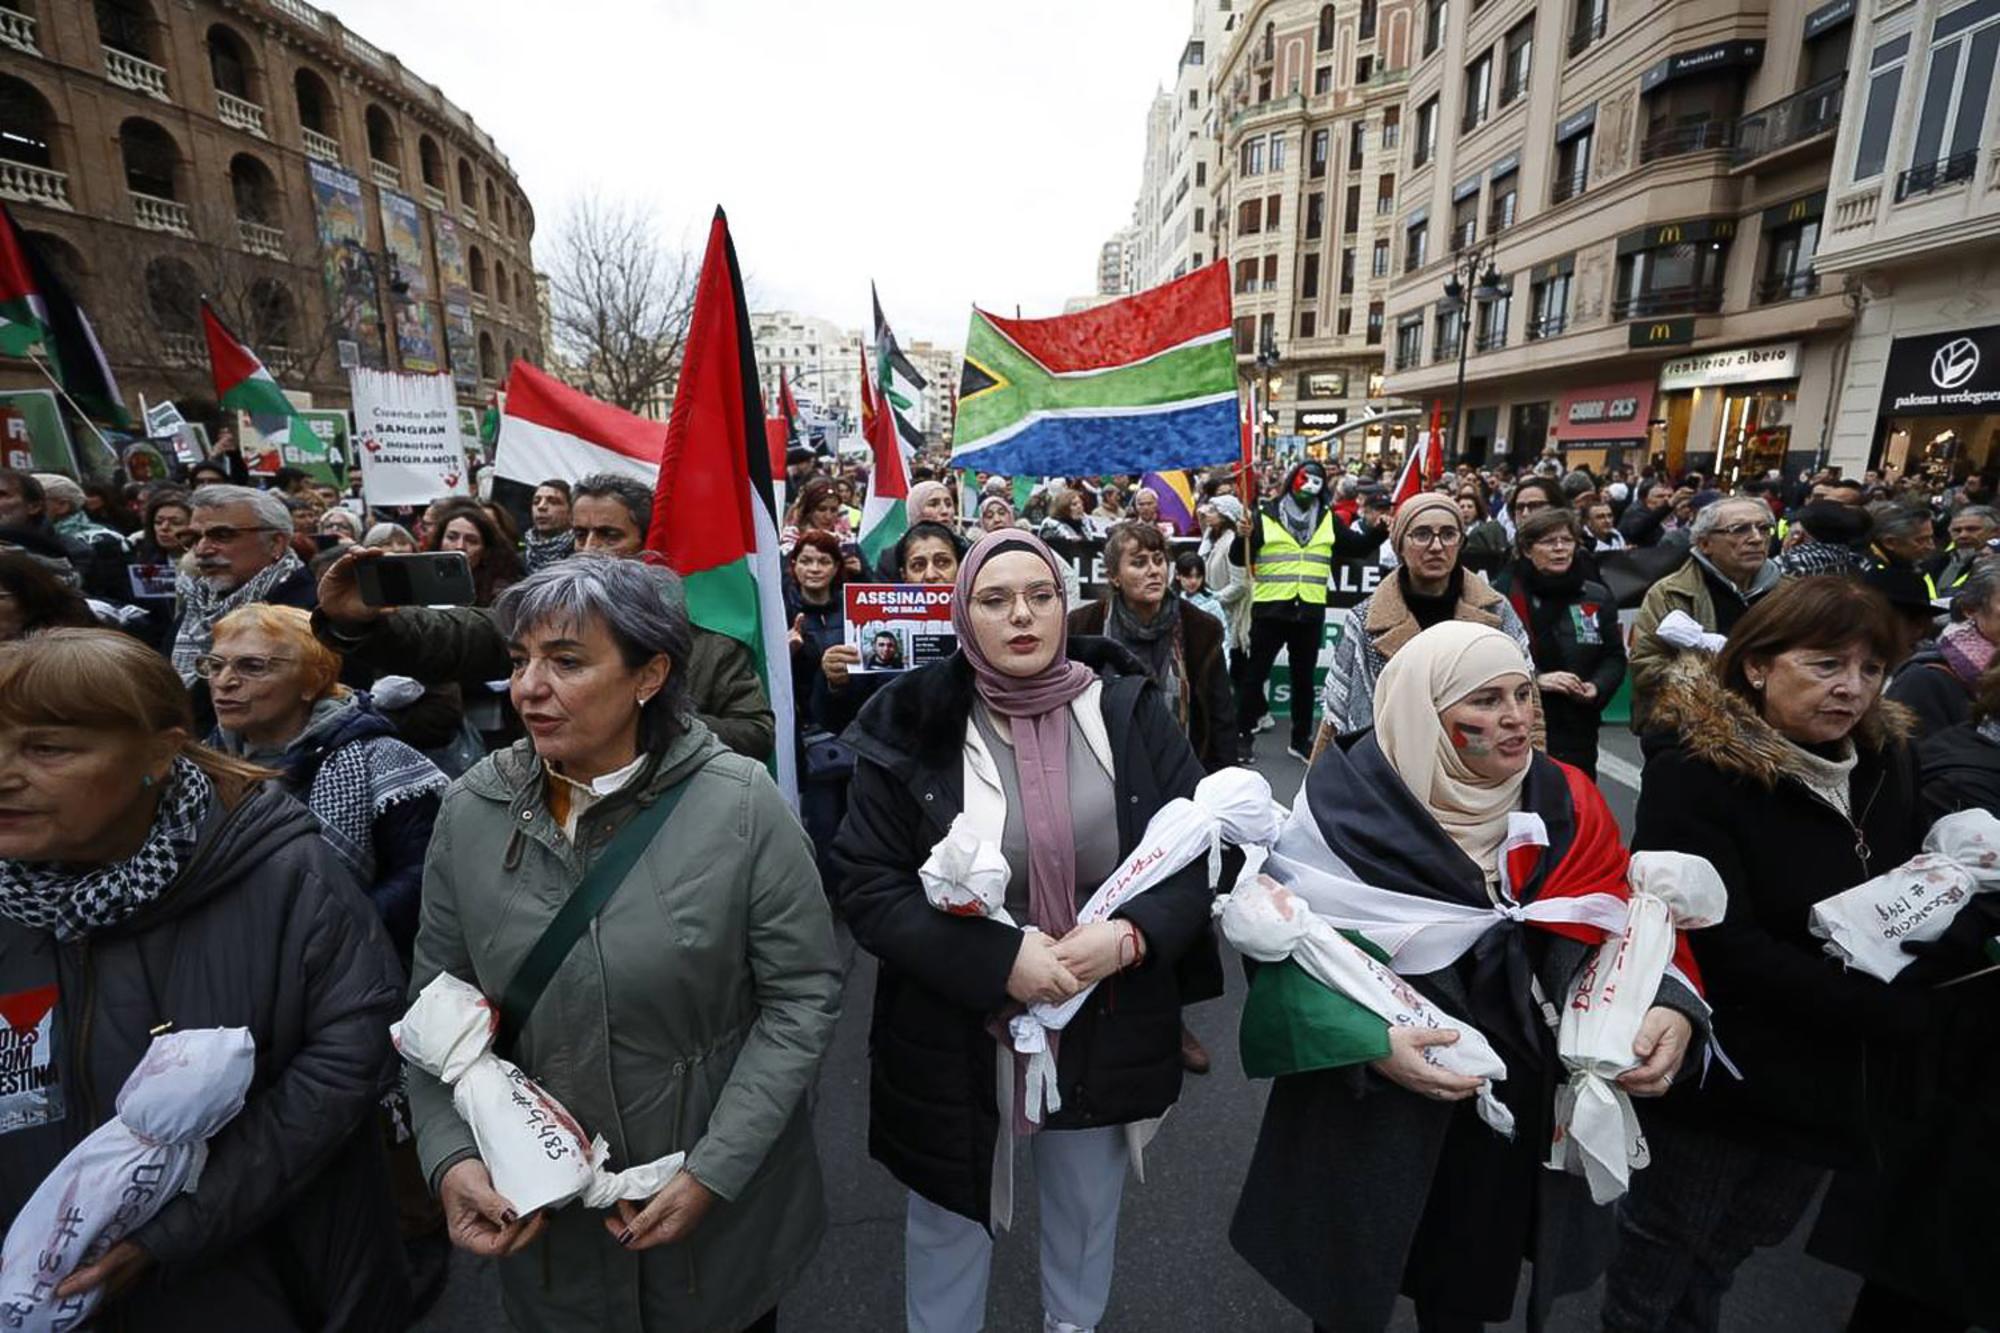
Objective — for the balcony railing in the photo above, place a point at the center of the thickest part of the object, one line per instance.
(1407, 356)
(478, 303)
(280, 359)
(1700, 137)
(1856, 210)
(1936, 175)
(18, 31)
(183, 349)
(322, 146)
(128, 71)
(434, 197)
(1571, 185)
(1512, 92)
(468, 215)
(33, 185)
(1804, 115)
(239, 114)
(1446, 350)
(1412, 261)
(1464, 234)
(1548, 326)
(1475, 116)
(1385, 204)
(1584, 34)
(366, 51)
(1501, 215)
(301, 13)
(261, 239)
(1787, 287)
(386, 176)
(1272, 107)
(1668, 301)
(1490, 340)
(157, 214)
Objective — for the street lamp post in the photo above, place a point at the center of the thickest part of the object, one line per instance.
(1465, 272)
(1267, 361)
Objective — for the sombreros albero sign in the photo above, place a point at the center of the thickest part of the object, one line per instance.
(1948, 374)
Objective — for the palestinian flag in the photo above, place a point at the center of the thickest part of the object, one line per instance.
(551, 431)
(788, 409)
(713, 515)
(1143, 384)
(1426, 461)
(243, 385)
(898, 381)
(37, 309)
(885, 515)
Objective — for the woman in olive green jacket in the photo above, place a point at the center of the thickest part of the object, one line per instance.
(693, 1013)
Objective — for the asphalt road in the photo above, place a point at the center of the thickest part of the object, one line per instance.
(1175, 1268)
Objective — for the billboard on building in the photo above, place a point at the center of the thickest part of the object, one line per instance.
(352, 292)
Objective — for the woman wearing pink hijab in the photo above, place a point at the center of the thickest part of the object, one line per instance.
(1057, 751)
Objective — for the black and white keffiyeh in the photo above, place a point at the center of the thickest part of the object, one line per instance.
(73, 903)
(201, 606)
(545, 549)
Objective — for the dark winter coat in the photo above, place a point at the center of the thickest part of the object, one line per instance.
(1958, 769)
(1581, 637)
(933, 1116)
(1931, 690)
(292, 1226)
(1211, 723)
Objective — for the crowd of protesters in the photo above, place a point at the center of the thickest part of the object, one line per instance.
(236, 792)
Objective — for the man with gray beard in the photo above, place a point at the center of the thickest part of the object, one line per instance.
(240, 542)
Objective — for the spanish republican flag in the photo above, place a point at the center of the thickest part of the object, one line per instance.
(714, 518)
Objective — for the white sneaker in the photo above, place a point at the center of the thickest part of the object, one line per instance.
(1051, 1324)
(1303, 756)
(1265, 723)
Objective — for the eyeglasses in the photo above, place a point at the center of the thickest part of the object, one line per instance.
(998, 603)
(248, 667)
(221, 533)
(1443, 538)
(1559, 542)
(1745, 529)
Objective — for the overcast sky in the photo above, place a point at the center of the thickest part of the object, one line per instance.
(954, 152)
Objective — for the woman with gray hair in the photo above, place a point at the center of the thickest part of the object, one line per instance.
(644, 912)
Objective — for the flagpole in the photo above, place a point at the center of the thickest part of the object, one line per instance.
(56, 384)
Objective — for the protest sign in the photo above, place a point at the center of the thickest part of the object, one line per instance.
(32, 435)
(406, 438)
(897, 626)
(165, 422)
(152, 582)
(325, 457)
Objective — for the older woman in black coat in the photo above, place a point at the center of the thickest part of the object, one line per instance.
(1058, 752)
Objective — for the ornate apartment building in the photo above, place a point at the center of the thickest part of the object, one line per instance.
(336, 208)
(1309, 123)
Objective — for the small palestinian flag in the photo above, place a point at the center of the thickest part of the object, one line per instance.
(24, 315)
(898, 382)
(243, 385)
(885, 515)
(37, 309)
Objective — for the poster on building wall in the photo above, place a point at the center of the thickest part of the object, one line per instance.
(418, 341)
(462, 343)
(351, 288)
(32, 435)
(406, 438)
(403, 237)
(453, 277)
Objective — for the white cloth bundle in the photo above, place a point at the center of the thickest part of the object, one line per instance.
(1866, 926)
(1683, 631)
(1596, 1131)
(186, 1088)
(1266, 921)
(536, 1152)
(965, 875)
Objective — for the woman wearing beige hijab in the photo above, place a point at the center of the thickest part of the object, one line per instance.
(1373, 1175)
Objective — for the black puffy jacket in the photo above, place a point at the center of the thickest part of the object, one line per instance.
(292, 1226)
(933, 1115)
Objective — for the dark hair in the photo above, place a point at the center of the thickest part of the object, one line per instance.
(1834, 523)
(45, 600)
(1543, 522)
(814, 494)
(555, 484)
(499, 563)
(1190, 562)
(828, 545)
(502, 520)
(628, 491)
(1129, 536)
(1548, 486)
(31, 490)
(165, 499)
(1827, 611)
(925, 531)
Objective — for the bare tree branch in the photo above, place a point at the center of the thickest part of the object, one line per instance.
(619, 302)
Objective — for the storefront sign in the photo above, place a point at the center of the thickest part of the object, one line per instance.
(1955, 373)
(1737, 54)
(1828, 16)
(1685, 232)
(1505, 167)
(1606, 412)
(1321, 418)
(1802, 209)
(1576, 123)
(1660, 332)
(1466, 188)
(1738, 365)
(1326, 384)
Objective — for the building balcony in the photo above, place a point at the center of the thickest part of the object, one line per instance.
(33, 185)
(1385, 204)
(479, 303)
(261, 239)
(301, 13)
(141, 76)
(1701, 137)
(434, 197)
(1407, 358)
(1586, 35)
(1275, 107)
(385, 176)
(1548, 326)
(1932, 176)
(183, 349)
(18, 31)
(468, 215)
(1500, 216)
(239, 114)
(1464, 234)
(1492, 340)
(322, 146)
(365, 51)
(1806, 115)
(1668, 301)
(280, 360)
(1446, 350)
(157, 214)
(1787, 287)
(1569, 186)
(1474, 117)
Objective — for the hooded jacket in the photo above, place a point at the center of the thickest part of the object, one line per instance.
(292, 1226)
(1651, 657)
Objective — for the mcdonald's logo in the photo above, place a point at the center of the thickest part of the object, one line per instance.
(1796, 211)
(1670, 234)
(1661, 332)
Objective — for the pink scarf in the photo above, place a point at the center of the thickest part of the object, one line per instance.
(1966, 651)
(1037, 708)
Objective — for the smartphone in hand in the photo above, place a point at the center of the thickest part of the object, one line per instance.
(429, 578)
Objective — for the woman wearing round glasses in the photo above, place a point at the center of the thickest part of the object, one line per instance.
(1056, 751)
(1430, 586)
(1728, 571)
(1573, 636)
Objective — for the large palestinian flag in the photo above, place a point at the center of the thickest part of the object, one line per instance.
(885, 515)
(551, 431)
(243, 385)
(37, 310)
(714, 518)
(1144, 384)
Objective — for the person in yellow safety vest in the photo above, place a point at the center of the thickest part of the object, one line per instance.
(1294, 541)
(1903, 539)
(1970, 529)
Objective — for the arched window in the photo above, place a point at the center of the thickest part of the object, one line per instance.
(507, 356)
(173, 297)
(64, 258)
(475, 268)
(508, 204)
(500, 287)
(1325, 39)
(468, 193)
(315, 102)
(521, 292)
(487, 368)
(430, 161)
(27, 127)
(383, 145)
(152, 159)
(254, 190)
(128, 26)
(273, 317)
(229, 64)
(492, 205)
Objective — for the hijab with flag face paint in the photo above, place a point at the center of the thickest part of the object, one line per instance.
(1432, 672)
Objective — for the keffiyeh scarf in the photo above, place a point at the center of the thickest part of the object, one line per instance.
(73, 903)
(201, 606)
(543, 551)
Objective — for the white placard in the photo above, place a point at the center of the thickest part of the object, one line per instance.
(406, 437)
(1738, 365)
